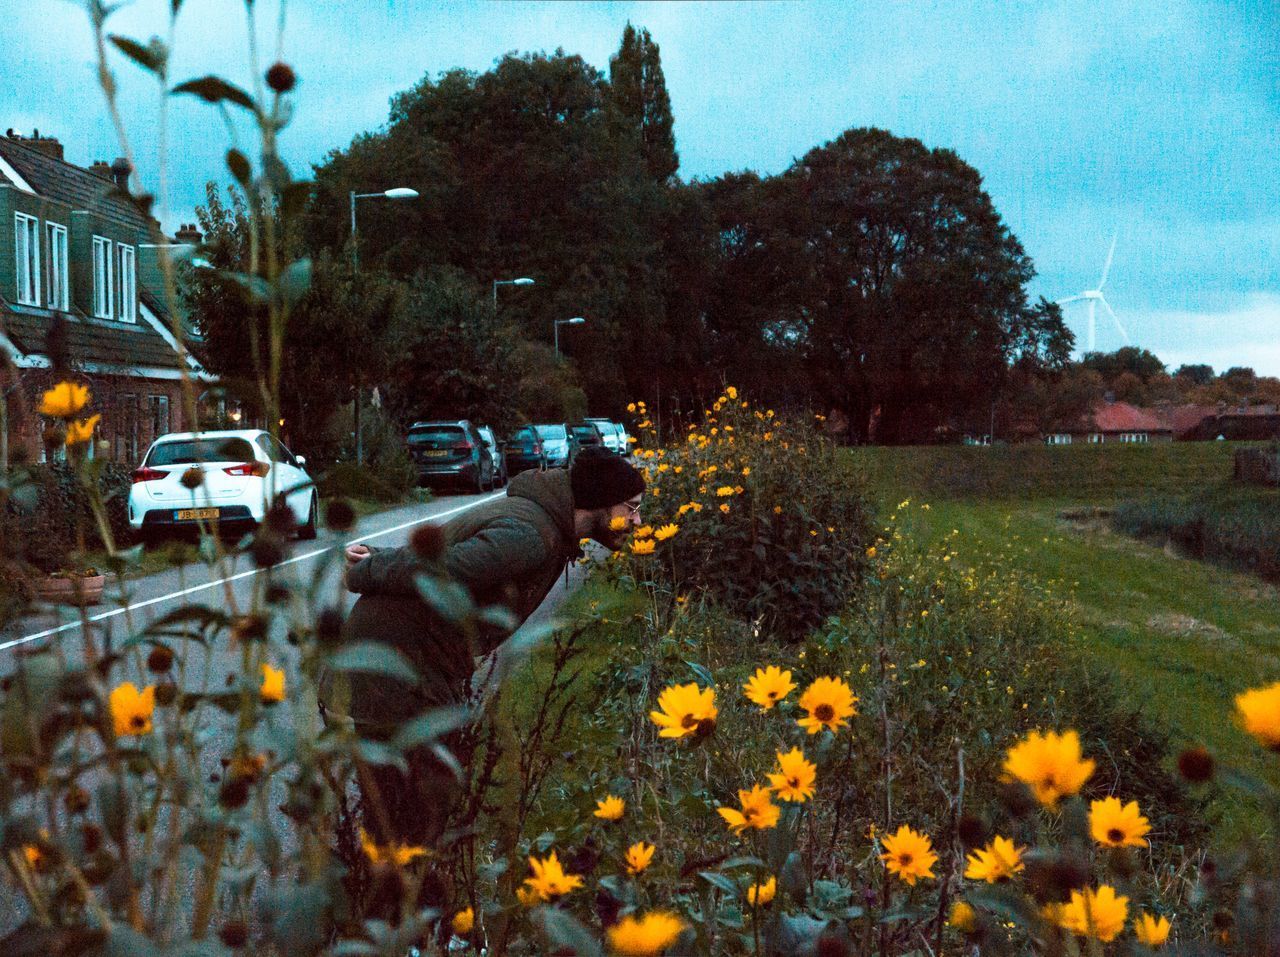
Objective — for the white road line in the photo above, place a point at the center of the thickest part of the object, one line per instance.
(245, 574)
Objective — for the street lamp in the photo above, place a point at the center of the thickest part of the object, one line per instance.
(522, 281)
(399, 192)
(555, 328)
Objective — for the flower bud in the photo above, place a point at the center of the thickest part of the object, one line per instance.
(234, 933)
(427, 542)
(160, 660)
(339, 515)
(192, 478)
(1196, 765)
(281, 78)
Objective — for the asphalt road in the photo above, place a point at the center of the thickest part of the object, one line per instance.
(129, 606)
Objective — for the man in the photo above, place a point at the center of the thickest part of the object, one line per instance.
(508, 552)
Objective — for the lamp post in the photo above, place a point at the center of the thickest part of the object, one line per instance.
(522, 281)
(555, 328)
(399, 192)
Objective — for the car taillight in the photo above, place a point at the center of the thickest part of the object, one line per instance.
(147, 475)
(463, 447)
(260, 469)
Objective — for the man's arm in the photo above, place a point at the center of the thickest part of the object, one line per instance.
(381, 571)
(505, 550)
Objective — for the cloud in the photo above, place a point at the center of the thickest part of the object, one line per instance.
(1247, 334)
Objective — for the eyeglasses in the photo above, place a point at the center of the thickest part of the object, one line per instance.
(635, 509)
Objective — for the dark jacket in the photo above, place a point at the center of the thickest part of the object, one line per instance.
(509, 552)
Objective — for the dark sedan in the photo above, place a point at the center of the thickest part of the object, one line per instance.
(524, 451)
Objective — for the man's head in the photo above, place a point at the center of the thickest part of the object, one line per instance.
(605, 488)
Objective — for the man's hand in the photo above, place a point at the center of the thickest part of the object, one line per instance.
(356, 553)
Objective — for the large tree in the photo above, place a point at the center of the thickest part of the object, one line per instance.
(638, 92)
(899, 283)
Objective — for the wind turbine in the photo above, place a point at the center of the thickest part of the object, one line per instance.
(1093, 297)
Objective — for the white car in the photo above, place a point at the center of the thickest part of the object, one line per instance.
(614, 435)
(242, 473)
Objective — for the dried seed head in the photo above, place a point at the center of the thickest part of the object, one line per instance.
(339, 515)
(427, 542)
(1196, 765)
(160, 660)
(281, 78)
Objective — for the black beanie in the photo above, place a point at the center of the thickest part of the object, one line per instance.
(602, 479)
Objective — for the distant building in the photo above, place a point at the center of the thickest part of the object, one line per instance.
(1110, 422)
(75, 247)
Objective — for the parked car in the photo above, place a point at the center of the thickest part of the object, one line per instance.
(450, 453)
(500, 476)
(615, 436)
(560, 442)
(587, 434)
(524, 450)
(242, 474)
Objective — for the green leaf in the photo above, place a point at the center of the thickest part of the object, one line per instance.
(113, 805)
(794, 878)
(565, 931)
(295, 281)
(238, 163)
(702, 674)
(214, 89)
(450, 599)
(153, 57)
(433, 725)
(726, 884)
(373, 657)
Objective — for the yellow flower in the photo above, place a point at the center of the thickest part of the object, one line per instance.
(796, 777)
(549, 879)
(272, 683)
(777, 510)
(1050, 764)
(463, 921)
(131, 709)
(1116, 825)
(397, 855)
(760, 894)
(758, 812)
(731, 392)
(996, 862)
(644, 546)
(631, 406)
(1259, 711)
(768, 436)
(1152, 931)
(909, 854)
(64, 400)
(644, 531)
(638, 857)
(610, 808)
(81, 430)
(646, 936)
(768, 686)
(724, 491)
(617, 523)
(725, 508)
(1099, 913)
(527, 896)
(830, 703)
(963, 917)
(666, 531)
(871, 551)
(35, 854)
(685, 710)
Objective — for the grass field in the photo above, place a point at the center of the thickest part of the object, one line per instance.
(1181, 637)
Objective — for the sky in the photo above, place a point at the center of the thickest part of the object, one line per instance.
(1156, 123)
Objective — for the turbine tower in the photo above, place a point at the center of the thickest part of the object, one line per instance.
(1093, 297)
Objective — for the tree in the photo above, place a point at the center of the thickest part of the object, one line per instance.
(1111, 365)
(638, 93)
(1195, 374)
(897, 281)
(1241, 380)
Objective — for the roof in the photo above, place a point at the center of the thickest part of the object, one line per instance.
(74, 185)
(1183, 418)
(127, 345)
(1123, 417)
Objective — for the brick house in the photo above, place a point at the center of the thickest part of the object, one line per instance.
(76, 251)
(1114, 422)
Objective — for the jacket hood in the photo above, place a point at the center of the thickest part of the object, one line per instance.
(550, 490)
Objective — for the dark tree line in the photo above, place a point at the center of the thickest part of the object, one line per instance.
(873, 278)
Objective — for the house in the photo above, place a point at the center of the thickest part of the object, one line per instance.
(1185, 420)
(79, 256)
(1114, 422)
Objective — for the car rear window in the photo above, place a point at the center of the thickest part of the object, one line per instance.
(524, 435)
(551, 431)
(437, 435)
(186, 451)
(586, 431)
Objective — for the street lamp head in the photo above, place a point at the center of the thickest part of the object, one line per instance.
(522, 281)
(401, 192)
(576, 320)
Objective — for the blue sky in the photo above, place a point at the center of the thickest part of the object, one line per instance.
(1156, 122)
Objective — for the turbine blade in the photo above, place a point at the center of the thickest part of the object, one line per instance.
(1063, 302)
(1116, 319)
(1107, 268)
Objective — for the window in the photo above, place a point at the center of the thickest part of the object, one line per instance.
(128, 311)
(126, 420)
(188, 451)
(27, 246)
(158, 406)
(1060, 438)
(103, 278)
(57, 294)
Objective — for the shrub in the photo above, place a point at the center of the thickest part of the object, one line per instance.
(771, 524)
(54, 518)
(384, 483)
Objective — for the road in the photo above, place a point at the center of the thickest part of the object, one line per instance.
(312, 565)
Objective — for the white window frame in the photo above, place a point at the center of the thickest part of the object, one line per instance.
(57, 292)
(103, 278)
(127, 258)
(27, 256)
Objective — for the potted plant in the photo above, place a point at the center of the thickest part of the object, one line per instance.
(71, 586)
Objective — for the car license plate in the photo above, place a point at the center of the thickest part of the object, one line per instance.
(436, 452)
(186, 514)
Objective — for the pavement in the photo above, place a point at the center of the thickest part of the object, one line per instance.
(314, 567)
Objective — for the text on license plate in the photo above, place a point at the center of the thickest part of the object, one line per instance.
(183, 515)
(436, 452)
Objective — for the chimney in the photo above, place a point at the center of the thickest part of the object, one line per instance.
(99, 168)
(48, 145)
(120, 171)
(188, 235)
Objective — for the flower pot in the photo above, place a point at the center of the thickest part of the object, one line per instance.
(77, 590)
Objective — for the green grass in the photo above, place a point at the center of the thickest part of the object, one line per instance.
(1180, 637)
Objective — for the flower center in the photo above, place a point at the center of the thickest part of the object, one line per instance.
(905, 859)
(1115, 835)
(137, 721)
(688, 721)
(794, 782)
(824, 712)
